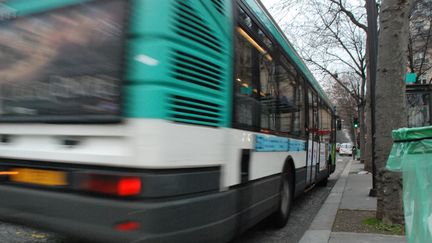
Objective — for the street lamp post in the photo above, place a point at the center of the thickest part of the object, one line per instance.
(372, 38)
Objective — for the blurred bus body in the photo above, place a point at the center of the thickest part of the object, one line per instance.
(155, 121)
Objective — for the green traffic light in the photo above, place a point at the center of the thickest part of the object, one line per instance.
(356, 123)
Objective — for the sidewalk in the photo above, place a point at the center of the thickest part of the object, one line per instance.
(350, 193)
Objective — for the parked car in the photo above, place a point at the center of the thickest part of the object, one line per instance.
(346, 148)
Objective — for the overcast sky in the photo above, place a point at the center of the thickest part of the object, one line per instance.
(269, 3)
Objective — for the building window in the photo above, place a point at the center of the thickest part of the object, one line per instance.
(418, 109)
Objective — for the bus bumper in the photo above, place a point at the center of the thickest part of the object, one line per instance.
(206, 218)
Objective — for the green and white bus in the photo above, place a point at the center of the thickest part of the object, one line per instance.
(155, 120)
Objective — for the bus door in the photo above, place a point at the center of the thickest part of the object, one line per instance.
(325, 138)
(313, 139)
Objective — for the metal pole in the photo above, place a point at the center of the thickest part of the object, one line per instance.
(372, 37)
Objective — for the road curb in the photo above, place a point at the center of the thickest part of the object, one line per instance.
(321, 226)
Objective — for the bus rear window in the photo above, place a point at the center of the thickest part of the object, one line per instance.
(64, 64)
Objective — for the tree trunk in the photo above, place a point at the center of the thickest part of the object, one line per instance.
(390, 109)
(367, 153)
(362, 131)
(361, 110)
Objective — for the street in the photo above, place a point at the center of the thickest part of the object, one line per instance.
(304, 210)
(199, 121)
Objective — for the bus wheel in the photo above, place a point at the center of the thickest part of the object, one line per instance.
(323, 183)
(280, 217)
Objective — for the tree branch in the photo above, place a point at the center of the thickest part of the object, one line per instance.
(350, 15)
(335, 77)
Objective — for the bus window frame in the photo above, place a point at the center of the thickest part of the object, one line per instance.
(277, 52)
(253, 33)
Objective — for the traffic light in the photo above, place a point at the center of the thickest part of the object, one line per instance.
(338, 124)
(356, 123)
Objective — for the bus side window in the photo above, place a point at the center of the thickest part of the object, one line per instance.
(255, 87)
(310, 115)
(268, 93)
(290, 99)
(246, 104)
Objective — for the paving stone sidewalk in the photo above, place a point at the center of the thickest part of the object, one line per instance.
(350, 193)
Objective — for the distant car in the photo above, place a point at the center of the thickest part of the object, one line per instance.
(346, 148)
(337, 147)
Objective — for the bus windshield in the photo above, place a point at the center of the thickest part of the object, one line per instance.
(62, 64)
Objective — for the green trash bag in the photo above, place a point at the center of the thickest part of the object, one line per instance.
(411, 154)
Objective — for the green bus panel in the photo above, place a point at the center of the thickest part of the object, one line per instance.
(180, 52)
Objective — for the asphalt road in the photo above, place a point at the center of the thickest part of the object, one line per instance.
(304, 210)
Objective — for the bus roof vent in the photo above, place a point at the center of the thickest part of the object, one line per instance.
(219, 6)
(193, 111)
(191, 25)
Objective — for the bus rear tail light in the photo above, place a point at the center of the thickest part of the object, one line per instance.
(127, 226)
(110, 184)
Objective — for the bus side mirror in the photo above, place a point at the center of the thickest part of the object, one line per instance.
(338, 124)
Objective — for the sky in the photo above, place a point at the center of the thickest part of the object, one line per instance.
(269, 3)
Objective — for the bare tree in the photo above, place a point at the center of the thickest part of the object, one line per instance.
(346, 104)
(332, 38)
(390, 111)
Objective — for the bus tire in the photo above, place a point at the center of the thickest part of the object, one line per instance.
(323, 183)
(280, 217)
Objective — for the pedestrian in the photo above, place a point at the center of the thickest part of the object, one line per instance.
(354, 150)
